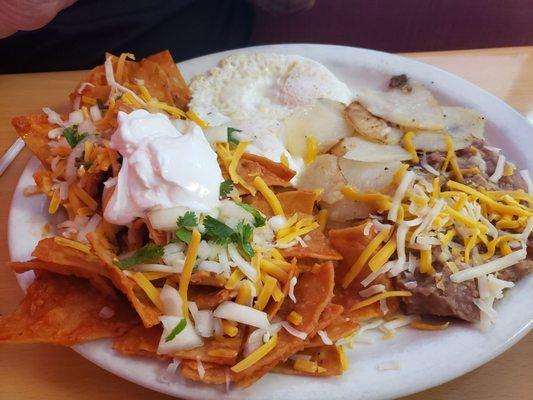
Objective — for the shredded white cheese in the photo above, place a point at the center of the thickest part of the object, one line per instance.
(498, 172)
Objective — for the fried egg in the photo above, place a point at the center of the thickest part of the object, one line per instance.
(262, 86)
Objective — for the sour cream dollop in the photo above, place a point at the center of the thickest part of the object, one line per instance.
(162, 167)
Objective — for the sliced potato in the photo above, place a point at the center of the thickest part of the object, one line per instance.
(359, 149)
(371, 127)
(324, 121)
(414, 109)
(324, 174)
(464, 125)
(369, 176)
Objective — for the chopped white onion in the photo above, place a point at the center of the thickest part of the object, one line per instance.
(372, 290)
(200, 368)
(294, 332)
(242, 314)
(242, 264)
(292, 284)
(75, 117)
(95, 112)
(156, 268)
(187, 339)
(165, 219)
(90, 227)
(55, 133)
(53, 117)
(171, 300)
(324, 336)
(277, 222)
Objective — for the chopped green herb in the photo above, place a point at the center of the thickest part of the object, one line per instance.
(148, 252)
(177, 330)
(188, 220)
(185, 224)
(259, 220)
(243, 238)
(184, 235)
(225, 188)
(218, 231)
(231, 137)
(72, 135)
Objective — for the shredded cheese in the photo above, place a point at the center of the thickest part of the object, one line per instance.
(192, 116)
(489, 267)
(266, 292)
(294, 318)
(383, 255)
(72, 243)
(269, 196)
(407, 142)
(308, 366)
(364, 256)
(244, 296)
(428, 327)
(232, 168)
(312, 150)
(150, 290)
(380, 296)
(322, 219)
(188, 265)
(343, 359)
(498, 171)
(256, 355)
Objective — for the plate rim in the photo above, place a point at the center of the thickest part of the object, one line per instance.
(296, 48)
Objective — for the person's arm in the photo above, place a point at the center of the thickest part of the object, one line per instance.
(27, 15)
(284, 6)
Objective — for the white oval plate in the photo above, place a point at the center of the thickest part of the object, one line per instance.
(426, 359)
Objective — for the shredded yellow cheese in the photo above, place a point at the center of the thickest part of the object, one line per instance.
(383, 255)
(407, 142)
(88, 100)
(284, 160)
(345, 364)
(380, 201)
(72, 243)
(188, 265)
(425, 262)
(256, 355)
(399, 173)
(274, 270)
(452, 158)
(150, 290)
(55, 201)
(428, 327)
(234, 163)
(276, 255)
(229, 328)
(312, 150)
(244, 296)
(381, 296)
(266, 292)
(294, 318)
(452, 266)
(447, 238)
(85, 197)
(235, 277)
(192, 116)
(364, 256)
(152, 276)
(308, 366)
(269, 196)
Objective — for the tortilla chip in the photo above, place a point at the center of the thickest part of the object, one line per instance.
(203, 278)
(273, 173)
(141, 229)
(214, 374)
(313, 292)
(326, 357)
(350, 243)
(160, 74)
(208, 297)
(65, 310)
(318, 246)
(48, 250)
(145, 308)
(141, 341)
(98, 281)
(300, 201)
(33, 129)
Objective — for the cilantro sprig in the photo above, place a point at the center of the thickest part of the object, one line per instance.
(231, 136)
(176, 330)
(72, 135)
(148, 252)
(259, 219)
(221, 233)
(186, 223)
(225, 188)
